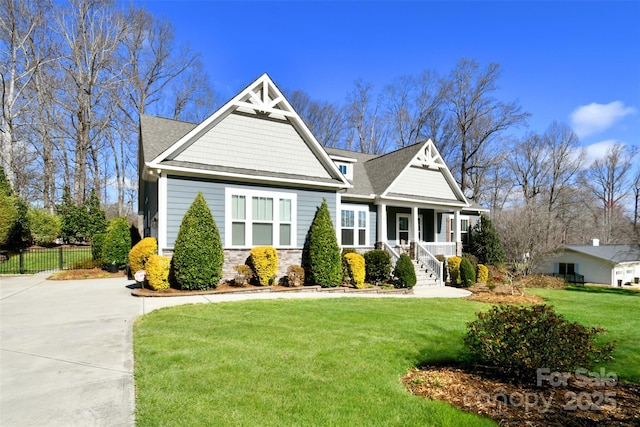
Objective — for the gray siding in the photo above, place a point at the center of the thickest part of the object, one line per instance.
(150, 205)
(182, 191)
(373, 224)
(253, 143)
(424, 183)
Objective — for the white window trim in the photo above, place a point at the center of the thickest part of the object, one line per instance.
(355, 209)
(248, 194)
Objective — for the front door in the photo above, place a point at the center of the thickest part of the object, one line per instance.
(402, 229)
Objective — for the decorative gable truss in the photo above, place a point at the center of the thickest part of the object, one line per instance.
(258, 131)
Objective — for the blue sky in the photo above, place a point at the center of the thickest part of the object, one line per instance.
(576, 62)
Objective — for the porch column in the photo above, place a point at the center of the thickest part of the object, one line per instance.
(162, 212)
(414, 229)
(435, 226)
(456, 232)
(382, 222)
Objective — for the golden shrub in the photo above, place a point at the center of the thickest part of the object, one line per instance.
(483, 274)
(140, 253)
(454, 268)
(265, 264)
(355, 263)
(157, 269)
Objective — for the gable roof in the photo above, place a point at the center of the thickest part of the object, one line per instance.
(615, 254)
(256, 135)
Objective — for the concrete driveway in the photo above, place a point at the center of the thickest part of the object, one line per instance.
(66, 354)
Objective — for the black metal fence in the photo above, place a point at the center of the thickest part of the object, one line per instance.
(35, 260)
(577, 279)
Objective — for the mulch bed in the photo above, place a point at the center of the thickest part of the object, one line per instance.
(502, 294)
(584, 402)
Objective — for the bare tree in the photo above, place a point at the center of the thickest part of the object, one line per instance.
(91, 35)
(325, 120)
(477, 117)
(367, 131)
(609, 180)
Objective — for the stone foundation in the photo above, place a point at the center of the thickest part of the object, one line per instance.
(233, 257)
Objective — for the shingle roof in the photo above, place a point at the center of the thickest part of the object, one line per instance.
(159, 133)
(612, 253)
(384, 169)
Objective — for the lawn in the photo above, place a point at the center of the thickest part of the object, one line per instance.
(335, 362)
(45, 259)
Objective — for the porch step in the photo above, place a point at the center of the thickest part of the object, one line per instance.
(425, 278)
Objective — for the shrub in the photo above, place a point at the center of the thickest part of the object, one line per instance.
(157, 272)
(45, 226)
(378, 266)
(345, 266)
(322, 254)
(97, 243)
(117, 243)
(8, 216)
(198, 256)
(404, 272)
(467, 273)
(454, 269)
(295, 275)
(244, 274)
(140, 252)
(355, 269)
(264, 260)
(519, 340)
(485, 243)
(483, 273)
(472, 259)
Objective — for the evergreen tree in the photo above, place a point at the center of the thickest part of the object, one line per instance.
(97, 219)
(485, 243)
(198, 255)
(322, 261)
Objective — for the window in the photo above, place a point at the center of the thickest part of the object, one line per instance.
(354, 225)
(566, 268)
(464, 231)
(345, 169)
(259, 218)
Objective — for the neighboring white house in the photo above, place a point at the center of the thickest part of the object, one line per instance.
(264, 175)
(613, 265)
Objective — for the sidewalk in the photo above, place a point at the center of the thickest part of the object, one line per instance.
(66, 355)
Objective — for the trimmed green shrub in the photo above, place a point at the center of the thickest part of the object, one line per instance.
(45, 226)
(140, 253)
(454, 269)
(378, 266)
(467, 273)
(198, 255)
(518, 340)
(97, 243)
(264, 260)
(323, 265)
(404, 272)
(8, 216)
(157, 272)
(117, 243)
(355, 269)
(483, 274)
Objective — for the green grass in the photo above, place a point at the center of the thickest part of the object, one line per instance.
(335, 362)
(45, 260)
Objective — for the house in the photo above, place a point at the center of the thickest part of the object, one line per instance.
(612, 265)
(264, 175)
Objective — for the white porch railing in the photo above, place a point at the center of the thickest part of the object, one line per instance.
(427, 260)
(394, 255)
(447, 249)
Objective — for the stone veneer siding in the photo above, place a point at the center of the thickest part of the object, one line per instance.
(233, 257)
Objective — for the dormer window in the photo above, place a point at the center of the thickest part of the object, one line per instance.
(345, 169)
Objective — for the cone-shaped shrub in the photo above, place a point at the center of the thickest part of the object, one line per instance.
(264, 260)
(324, 266)
(467, 273)
(355, 269)
(454, 269)
(404, 272)
(141, 251)
(117, 243)
(483, 274)
(198, 256)
(97, 243)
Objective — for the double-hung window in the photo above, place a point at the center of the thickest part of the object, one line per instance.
(259, 218)
(354, 225)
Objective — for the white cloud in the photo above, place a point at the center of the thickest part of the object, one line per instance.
(598, 150)
(593, 118)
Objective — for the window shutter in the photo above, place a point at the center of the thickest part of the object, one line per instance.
(448, 229)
